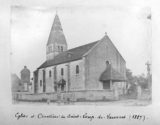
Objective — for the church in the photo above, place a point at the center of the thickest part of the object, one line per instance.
(93, 71)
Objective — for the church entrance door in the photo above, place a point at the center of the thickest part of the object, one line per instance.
(62, 85)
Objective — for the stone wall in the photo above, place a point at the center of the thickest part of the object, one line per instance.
(92, 95)
(69, 75)
(49, 79)
(77, 80)
(65, 73)
(40, 78)
(96, 63)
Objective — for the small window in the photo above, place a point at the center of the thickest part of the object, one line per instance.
(40, 83)
(58, 48)
(50, 73)
(62, 48)
(62, 72)
(107, 62)
(77, 69)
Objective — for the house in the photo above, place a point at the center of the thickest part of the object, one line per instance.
(93, 71)
(25, 79)
(22, 84)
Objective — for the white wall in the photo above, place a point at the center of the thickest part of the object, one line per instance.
(49, 80)
(65, 73)
(77, 80)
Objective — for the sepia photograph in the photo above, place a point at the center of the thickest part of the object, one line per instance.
(79, 62)
(81, 55)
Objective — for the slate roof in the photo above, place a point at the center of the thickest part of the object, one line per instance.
(111, 74)
(56, 37)
(56, 33)
(25, 70)
(69, 55)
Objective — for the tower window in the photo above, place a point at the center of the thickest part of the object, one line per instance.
(107, 62)
(62, 48)
(50, 73)
(62, 72)
(77, 69)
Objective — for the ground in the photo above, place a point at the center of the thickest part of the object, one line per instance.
(129, 102)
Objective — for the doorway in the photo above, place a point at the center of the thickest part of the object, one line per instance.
(106, 84)
(62, 85)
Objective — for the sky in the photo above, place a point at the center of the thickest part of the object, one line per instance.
(83, 22)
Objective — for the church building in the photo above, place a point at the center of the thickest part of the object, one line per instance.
(92, 71)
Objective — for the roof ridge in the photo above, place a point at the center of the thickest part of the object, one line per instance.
(78, 53)
(77, 47)
(83, 45)
(98, 41)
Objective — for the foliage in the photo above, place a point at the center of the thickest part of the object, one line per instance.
(141, 79)
(130, 77)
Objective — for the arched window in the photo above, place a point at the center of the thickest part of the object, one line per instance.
(77, 69)
(62, 72)
(50, 73)
(107, 62)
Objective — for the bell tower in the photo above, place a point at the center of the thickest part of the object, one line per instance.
(56, 41)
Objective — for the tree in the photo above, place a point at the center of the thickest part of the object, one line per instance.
(142, 81)
(130, 77)
(130, 81)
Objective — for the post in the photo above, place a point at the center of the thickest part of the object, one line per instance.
(149, 76)
(139, 91)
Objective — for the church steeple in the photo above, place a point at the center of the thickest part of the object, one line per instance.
(56, 41)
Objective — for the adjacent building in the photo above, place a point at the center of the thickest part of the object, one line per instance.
(25, 78)
(22, 84)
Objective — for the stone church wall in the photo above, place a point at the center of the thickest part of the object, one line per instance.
(77, 80)
(40, 78)
(49, 79)
(65, 73)
(96, 63)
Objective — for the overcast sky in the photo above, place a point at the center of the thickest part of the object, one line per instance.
(83, 21)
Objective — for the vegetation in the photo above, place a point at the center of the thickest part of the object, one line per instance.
(133, 80)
